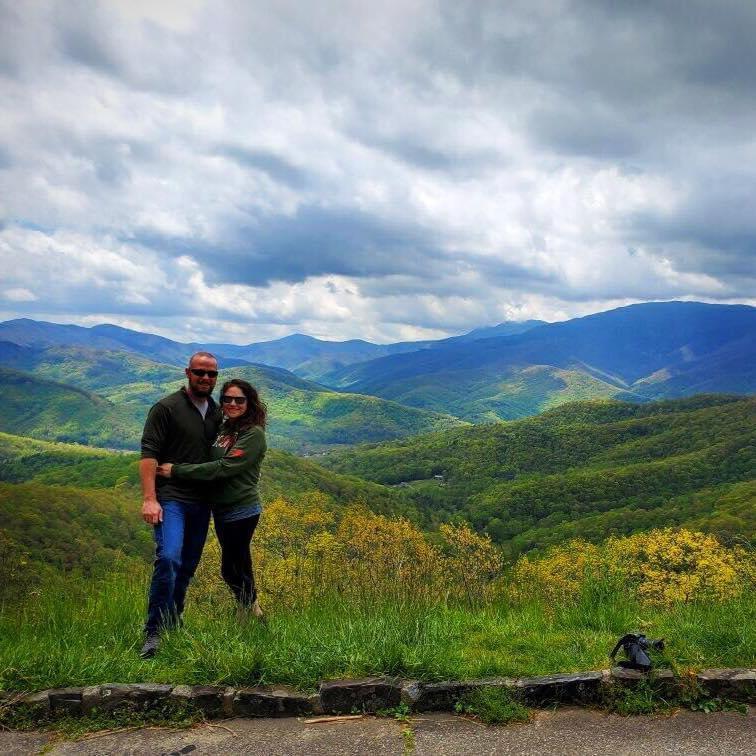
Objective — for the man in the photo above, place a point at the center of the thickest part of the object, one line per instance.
(179, 428)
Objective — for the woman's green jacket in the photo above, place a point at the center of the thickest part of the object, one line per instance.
(235, 465)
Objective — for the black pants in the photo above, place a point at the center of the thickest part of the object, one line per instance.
(236, 560)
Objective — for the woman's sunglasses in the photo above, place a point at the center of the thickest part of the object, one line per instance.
(233, 399)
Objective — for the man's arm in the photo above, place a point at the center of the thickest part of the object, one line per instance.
(248, 448)
(152, 512)
(153, 438)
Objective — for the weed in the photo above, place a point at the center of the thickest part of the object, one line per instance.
(493, 706)
(709, 705)
(408, 734)
(169, 715)
(400, 712)
(696, 698)
(637, 699)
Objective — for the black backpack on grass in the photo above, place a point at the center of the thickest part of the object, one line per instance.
(635, 648)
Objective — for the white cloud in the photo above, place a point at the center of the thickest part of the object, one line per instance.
(390, 171)
(20, 295)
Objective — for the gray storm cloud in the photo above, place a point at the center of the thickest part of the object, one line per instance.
(448, 163)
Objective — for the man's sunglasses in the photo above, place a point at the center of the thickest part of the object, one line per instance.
(226, 399)
(202, 373)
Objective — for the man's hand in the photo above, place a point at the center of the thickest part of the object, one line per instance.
(164, 469)
(152, 512)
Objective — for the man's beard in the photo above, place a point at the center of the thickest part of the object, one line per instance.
(202, 392)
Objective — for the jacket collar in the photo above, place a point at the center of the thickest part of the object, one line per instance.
(210, 401)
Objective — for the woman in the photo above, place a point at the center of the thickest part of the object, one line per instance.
(236, 455)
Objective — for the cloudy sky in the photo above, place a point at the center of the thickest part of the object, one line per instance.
(240, 171)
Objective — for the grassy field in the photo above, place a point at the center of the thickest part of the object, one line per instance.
(88, 632)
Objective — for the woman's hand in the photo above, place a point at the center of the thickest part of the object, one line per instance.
(164, 469)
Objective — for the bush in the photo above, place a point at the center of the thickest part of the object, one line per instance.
(661, 568)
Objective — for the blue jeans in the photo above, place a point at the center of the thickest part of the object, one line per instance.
(179, 540)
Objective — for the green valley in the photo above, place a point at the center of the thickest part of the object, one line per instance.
(102, 397)
(482, 396)
(588, 469)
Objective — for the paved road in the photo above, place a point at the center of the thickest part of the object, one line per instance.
(568, 731)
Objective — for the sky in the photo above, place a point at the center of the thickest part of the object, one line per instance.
(240, 171)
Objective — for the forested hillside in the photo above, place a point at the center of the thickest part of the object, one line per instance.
(45, 409)
(102, 397)
(588, 469)
(24, 460)
(64, 506)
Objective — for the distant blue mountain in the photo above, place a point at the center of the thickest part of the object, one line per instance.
(641, 352)
(305, 356)
(502, 329)
(290, 352)
(652, 350)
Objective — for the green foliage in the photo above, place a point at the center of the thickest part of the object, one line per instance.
(68, 507)
(493, 706)
(648, 697)
(697, 699)
(92, 369)
(481, 395)
(40, 408)
(66, 528)
(18, 575)
(408, 735)
(26, 459)
(400, 712)
(584, 470)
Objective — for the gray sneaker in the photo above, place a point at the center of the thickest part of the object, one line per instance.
(151, 645)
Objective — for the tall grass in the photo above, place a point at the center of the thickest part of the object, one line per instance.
(81, 633)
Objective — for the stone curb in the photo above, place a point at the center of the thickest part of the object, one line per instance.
(370, 694)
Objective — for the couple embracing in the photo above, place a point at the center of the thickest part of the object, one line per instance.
(197, 460)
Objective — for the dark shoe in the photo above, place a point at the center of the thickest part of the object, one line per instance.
(150, 647)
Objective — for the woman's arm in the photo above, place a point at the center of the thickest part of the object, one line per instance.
(250, 444)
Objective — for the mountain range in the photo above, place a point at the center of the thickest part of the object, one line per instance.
(303, 355)
(639, 352)
(371, 392)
